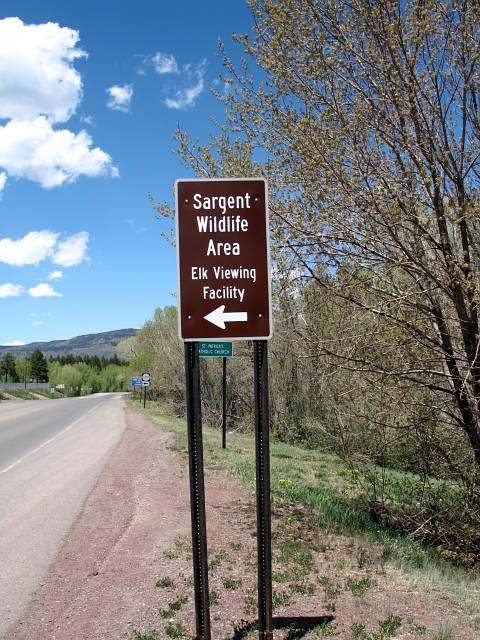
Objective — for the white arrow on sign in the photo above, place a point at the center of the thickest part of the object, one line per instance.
(220, 316)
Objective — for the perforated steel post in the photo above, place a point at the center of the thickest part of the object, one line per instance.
(262, 437)
(224, 404)
(197, 491)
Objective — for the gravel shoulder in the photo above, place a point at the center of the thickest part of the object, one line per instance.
(102, 584)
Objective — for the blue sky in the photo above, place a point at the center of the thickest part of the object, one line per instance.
(88, 105)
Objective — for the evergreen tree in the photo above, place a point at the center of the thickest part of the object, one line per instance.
(7, 367)
(39, 366)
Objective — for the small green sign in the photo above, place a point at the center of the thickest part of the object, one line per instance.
(215, 349)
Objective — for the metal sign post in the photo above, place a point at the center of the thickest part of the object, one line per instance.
(224, 293)
(145, 384)
(262, 446)
(224, 404)
(197, 491)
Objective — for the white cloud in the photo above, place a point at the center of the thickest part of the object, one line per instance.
(185, 97)
(37, 246)
(164, 63)
(34, 150)
(31, 249)
(43, 290)
(10, 290)
(39, 88)
(120, 97)
(87, 120)
(55, 275)
(15, 343)
(37, 76)
(72, 251)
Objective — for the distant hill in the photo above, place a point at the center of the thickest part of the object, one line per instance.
(93, 344)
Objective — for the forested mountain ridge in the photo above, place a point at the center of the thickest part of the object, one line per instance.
(95, 344)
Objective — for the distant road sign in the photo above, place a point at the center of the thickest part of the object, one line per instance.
(145, 383)
(223, 259)
(215, 349)
(136, 382)
(146, 377)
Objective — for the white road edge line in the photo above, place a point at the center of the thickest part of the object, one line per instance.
(47, 442)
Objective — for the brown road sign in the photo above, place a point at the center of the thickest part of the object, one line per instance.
(223, 261)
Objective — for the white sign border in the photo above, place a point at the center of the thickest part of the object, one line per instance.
(269, 270)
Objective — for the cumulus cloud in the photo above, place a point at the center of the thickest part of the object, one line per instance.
(72, 251)
(55, 275)
(31, 249)
(164, 63)
(39, 88)
(37, 246)
(43, 290)
(185, 96)
(10, 290)
(34, 150)
(120, 97)
(37, 76)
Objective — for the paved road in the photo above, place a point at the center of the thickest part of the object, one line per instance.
(51, 453)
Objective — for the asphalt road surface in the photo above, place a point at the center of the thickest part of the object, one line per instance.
(51, 453)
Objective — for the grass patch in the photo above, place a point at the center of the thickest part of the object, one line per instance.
(165, 583)
(22, 394)
(175, 630)
(141, 636)
(317, 489)
(231, 584)
(444, 632)
(173, 607)
(387, 629)
(46, 393)
(358, 587)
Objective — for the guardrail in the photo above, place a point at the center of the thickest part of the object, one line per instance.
(21, 385)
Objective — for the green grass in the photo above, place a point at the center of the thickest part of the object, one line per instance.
(317, 489)
(46, 393)
(231, 584)
(165, 583)
(444, 632)
(173, 607)
(22, 394)
(359, 587)
(28, 394)
(387, 629)
(175, 631)
(140, 636)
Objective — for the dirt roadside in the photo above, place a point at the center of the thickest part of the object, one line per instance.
(102, 584)
(126, 564)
